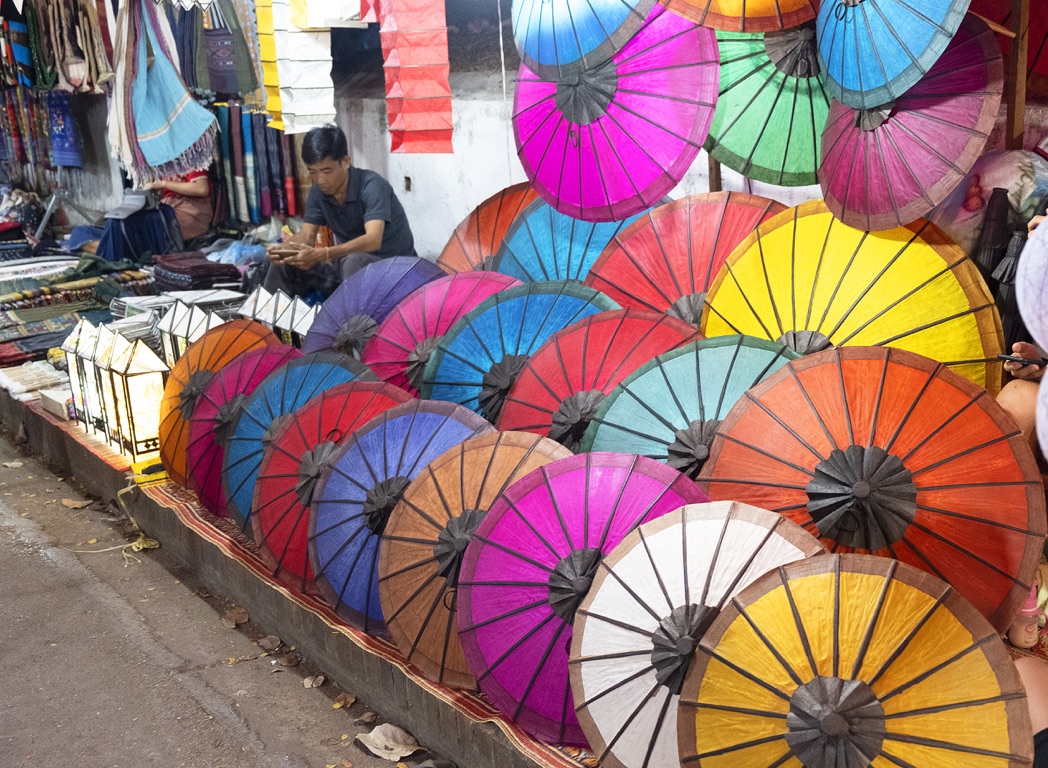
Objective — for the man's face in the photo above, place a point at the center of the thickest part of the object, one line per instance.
(330, 175)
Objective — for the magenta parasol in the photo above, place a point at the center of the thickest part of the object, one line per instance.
(213, 416)
(402, 344)
(605, 144)
(888, 166)
(530, 565)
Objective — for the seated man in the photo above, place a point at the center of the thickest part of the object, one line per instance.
(359, 206)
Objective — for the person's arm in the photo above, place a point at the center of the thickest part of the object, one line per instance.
(1035, 222)
(1020, 371)
(198, 187)
(301, 241)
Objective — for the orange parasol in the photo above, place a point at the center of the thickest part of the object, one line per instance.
(194, 369)
(478, 237)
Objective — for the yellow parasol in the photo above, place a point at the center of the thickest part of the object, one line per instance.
(746, 15)
(849, 661)
(809, 281)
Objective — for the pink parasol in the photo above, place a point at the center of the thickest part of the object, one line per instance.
(610, 142)
(215, 412)
(401, 346)
(888, 166)
(529, 566)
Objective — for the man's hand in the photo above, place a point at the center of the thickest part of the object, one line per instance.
(1020, 371)
(1034, 222)
(305, 258)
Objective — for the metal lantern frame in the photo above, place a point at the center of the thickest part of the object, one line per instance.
(137, 377)
(289, 317)
(183, 324)
(76, 348)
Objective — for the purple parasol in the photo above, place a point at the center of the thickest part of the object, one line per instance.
(529, 566)
(610, 142)
(349, 317)
(888, 166)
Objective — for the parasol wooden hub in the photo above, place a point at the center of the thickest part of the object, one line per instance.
(675, 640)
(274, 427)
(573, 416)
(835, 723)
(452, 542)
(380, 501)
(313, 464)
(863, 498)
(585, 97)
(418, 358)
(354, 334)
(794, 51)
(227, 415)
(689, 308)
(570, 581)
(806, 342)
(497, 383)
(691, 447)
(192, 391)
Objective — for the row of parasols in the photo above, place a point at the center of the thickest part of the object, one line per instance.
(598, 597)
(885, 104)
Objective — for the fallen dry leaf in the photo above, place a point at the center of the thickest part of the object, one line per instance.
(235, 617)
(366, 719)
(346, 700)
(92, 541)
(389, 742)
(13, 464)
(289, 660)
(347, 763)
(312, 681)
(268, 643)
(74, 504)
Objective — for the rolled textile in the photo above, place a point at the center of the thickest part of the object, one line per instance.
(265, 195)
(236, 135)
(250, 169)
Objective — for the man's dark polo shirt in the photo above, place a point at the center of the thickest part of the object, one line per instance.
(369, 197)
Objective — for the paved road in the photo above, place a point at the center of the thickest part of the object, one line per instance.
(105, 664)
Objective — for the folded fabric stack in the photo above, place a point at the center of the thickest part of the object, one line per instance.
(191, 271)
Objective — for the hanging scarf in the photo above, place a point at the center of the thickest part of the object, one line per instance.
(43, 56)
(65, 142)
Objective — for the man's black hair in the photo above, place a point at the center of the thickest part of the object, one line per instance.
(324, 143)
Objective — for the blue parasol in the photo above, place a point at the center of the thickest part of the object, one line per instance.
(873, 51)
(271, 404)
(670, 408)
(352, 313)
(545, 244)
(478, 360)
(357, 493)
(565, 38)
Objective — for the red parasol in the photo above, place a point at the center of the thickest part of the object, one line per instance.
(294, 461)
(667, 259)
(475, 241)
(883, 451)
(563, 384)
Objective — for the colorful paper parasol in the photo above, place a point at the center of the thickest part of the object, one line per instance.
(882, 451)
(474, 242)
(873, 51)
(653, 598)
(563, 384)
(188, 378)
(670, 408)
(1031, 286)
(565, 38)
(772, 106)
(292, 465)
(478, 360)
(427, 533)
(885, 167)
(613, 140)
(810, 282)
(847, 661)
(529, 566)
(267, 409)
(360, 488)
(216, 409)
(1000, 11)
(667, 260)
(545, 244)
(403, 343)
(746, 15)
(349, 317)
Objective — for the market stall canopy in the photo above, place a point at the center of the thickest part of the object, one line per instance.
(808, 281)
(887, 166)
(605, 144)
(667, 259)
(427, 534)
(852, 660)
(360, 488)
(529, 566)
(886, 452)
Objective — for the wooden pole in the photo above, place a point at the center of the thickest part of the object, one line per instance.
(716, 184)
(1015, 78)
